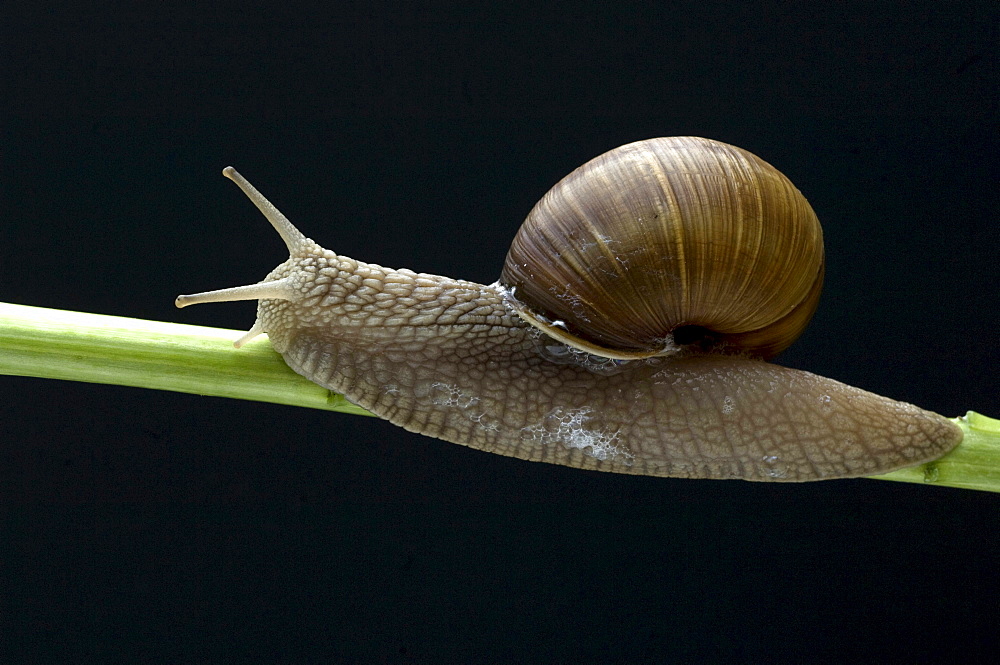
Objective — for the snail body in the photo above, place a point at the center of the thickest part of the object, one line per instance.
(627, 332)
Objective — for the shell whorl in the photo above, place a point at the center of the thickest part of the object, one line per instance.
(668, 234)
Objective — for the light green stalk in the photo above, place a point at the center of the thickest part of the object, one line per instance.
(75, 346)
(56, 344)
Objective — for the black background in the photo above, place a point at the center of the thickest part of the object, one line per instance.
(174, 528)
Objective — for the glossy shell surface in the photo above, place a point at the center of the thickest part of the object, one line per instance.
(668, 234)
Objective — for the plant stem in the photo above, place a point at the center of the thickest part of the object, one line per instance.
(57, 344)
(74, 346)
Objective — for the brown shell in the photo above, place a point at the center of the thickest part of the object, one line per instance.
(664, 234)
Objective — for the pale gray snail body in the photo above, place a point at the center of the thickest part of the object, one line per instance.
(627, 333)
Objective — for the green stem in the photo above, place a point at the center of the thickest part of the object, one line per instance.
(56, 344)
(75, 346)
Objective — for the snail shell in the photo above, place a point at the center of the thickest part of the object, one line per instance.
(668, 240)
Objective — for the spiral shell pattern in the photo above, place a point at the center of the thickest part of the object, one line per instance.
(668, 236)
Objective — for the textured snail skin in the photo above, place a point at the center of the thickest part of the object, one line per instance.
(452, 359)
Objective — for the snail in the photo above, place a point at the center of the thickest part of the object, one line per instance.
(629, 331)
